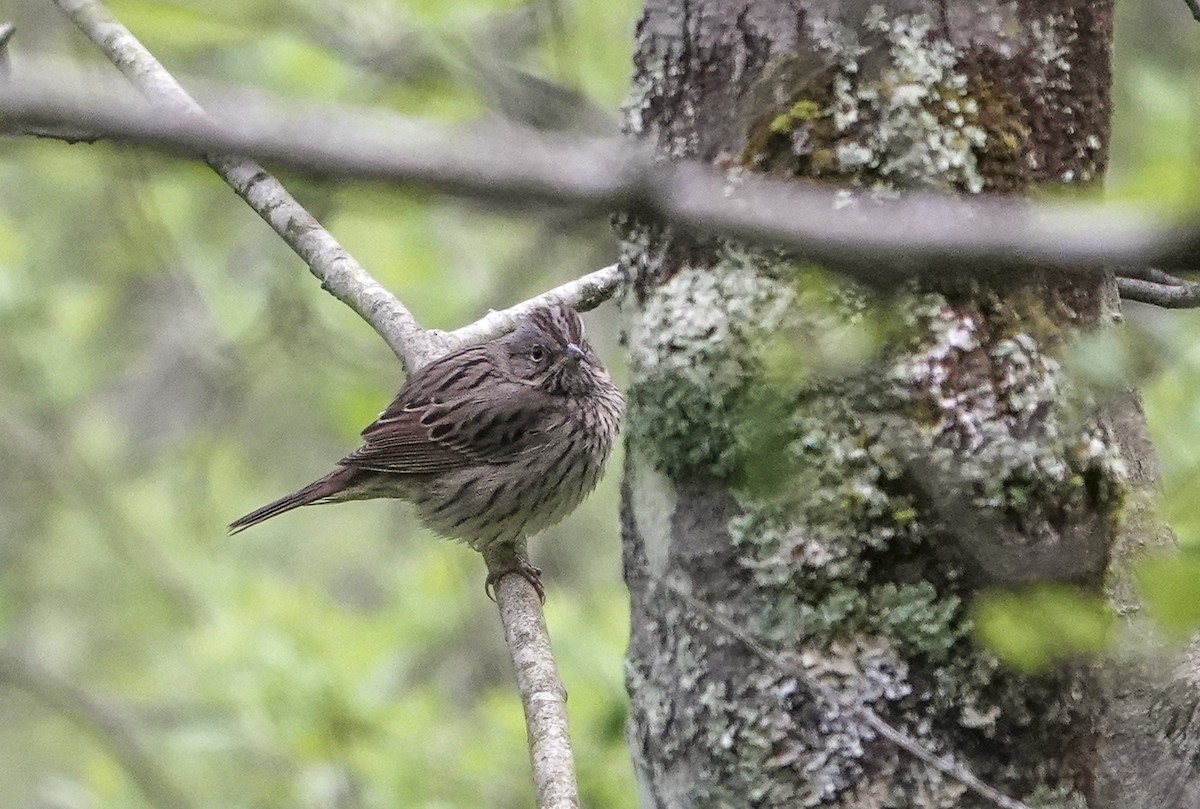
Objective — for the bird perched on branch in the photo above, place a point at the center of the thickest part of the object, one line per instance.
(491, 443)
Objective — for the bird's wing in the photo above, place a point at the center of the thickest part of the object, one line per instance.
(454, 414)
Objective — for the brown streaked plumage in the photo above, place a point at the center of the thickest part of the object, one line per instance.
(491, 443)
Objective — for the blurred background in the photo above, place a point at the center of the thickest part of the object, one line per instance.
(167, 364)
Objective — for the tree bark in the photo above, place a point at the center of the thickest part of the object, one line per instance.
(842, 472)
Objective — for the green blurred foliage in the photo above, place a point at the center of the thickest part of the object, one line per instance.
(1037, 628)
(1169, 586)
(1155, 166)
(829, 332)
(168, 364)
(1156, 163)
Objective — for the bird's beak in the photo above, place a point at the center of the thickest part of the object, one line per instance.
(574, 353)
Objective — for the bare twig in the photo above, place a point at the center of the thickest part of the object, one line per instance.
(582, 294)
(542, 694)
(1174, 294)
(103, 718)
(875, 242)
(785, 665)
(340, 274)
(1152, 286)
(1194, 7)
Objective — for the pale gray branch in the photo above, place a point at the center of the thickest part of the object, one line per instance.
(876, 242)
(118, 734)
(542, 694)
(793, 668)
(582, 294)
(338, 272)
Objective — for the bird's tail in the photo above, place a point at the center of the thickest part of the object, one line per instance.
(315, 492)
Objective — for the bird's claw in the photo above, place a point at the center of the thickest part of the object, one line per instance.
(522, 568)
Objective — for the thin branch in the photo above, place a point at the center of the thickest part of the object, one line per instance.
(875, 242)
(1179, 294)
(339, 274)
(543, 697)
(118, 734)
(1194, 7)
(784, 665)
(582, 294)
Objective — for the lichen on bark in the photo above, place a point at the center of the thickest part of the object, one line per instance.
(927, 100)
(694, 349)
(892, 108)
(852, 561)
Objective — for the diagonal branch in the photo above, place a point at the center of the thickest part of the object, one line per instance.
(339, 274)
(862, 713)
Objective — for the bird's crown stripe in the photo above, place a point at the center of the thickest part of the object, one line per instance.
(560, 321)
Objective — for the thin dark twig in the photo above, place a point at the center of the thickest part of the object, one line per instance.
(905, 742)
(1162, 277)
(1180, 295)
(387, 152)
(1194, 7)
(1155, 287)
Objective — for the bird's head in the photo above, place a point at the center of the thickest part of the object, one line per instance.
(549, 350)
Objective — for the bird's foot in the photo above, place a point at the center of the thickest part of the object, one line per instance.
(503, 563)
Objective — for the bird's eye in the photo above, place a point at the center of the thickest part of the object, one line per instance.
(537, 354)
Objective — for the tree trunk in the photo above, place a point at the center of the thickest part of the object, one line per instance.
(841, 473)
